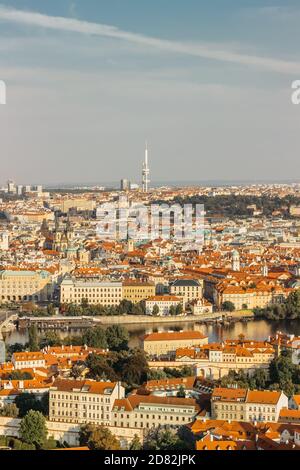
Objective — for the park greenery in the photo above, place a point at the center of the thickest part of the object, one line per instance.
(101, 438)
(33, 429)
(33, 434)
(232, 206)
(98, 438)
(289, 309)
(164, 439)
(125, 307)
(28, 401)
(228, 306)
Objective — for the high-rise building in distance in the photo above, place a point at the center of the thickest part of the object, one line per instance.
(145, 172)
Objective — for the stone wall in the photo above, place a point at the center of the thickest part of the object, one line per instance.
(66, 432)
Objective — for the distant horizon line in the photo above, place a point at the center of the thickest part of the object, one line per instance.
(159, 183)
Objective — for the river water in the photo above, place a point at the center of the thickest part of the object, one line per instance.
(255, 329)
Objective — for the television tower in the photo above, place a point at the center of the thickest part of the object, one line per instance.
(146, 172)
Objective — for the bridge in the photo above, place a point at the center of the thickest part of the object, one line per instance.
(57, 322)
(6, 319)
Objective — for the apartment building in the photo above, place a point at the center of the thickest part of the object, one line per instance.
(250, 297)
(146, 412)
(74, 291)
(157, 344)
(136, 291)
(25, 286)
(188, 289)
(163, 303)
(28, 360)
(247, 405)
(216, 360)
(83, 401)
(10, 389)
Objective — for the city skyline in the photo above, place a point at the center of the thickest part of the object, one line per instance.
(211, 93)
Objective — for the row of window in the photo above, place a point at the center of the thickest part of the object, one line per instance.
(75, 414)
(71, 397)
(75, 405)
(254, 408)
(97, 289)
(158, 417)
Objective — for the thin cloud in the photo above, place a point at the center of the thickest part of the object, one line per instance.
(195, 50)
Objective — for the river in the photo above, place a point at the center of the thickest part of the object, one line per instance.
(255, 329)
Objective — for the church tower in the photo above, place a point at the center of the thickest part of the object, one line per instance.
(236, 264)
(265, 270)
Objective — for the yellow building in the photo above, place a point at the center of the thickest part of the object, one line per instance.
(24, 286)
(247, 405)
(83, 401)
(256, 297)
(136, 291)
(74, 291)
(216, 360)
(157, 344)
(148, 412)
(80, 204)
(188, 289)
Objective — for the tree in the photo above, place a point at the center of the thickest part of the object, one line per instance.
(77, 370)
(49, 444)
(26, 402)
(51, 339)
(292, 305)
(260, 379)
(179, 309)
(185, 371)
(289, 309)
(163, 439)
(117, 338)
(33, 343)
(9, 410)
(19, 375)
(133, 367)
(17, 444)
(156, 374)
(100, 368)
(135, 443)
(95, 337)
(33, 429)
(172, 310)
(228, 306)
(181, 392)
(50, 310)
(98, 438)
(84, 303)
(155, 310)
(284, 372)
(125, 307)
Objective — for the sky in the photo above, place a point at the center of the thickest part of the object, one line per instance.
(206, 83)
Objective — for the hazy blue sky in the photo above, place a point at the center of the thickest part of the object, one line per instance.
(207, 83)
